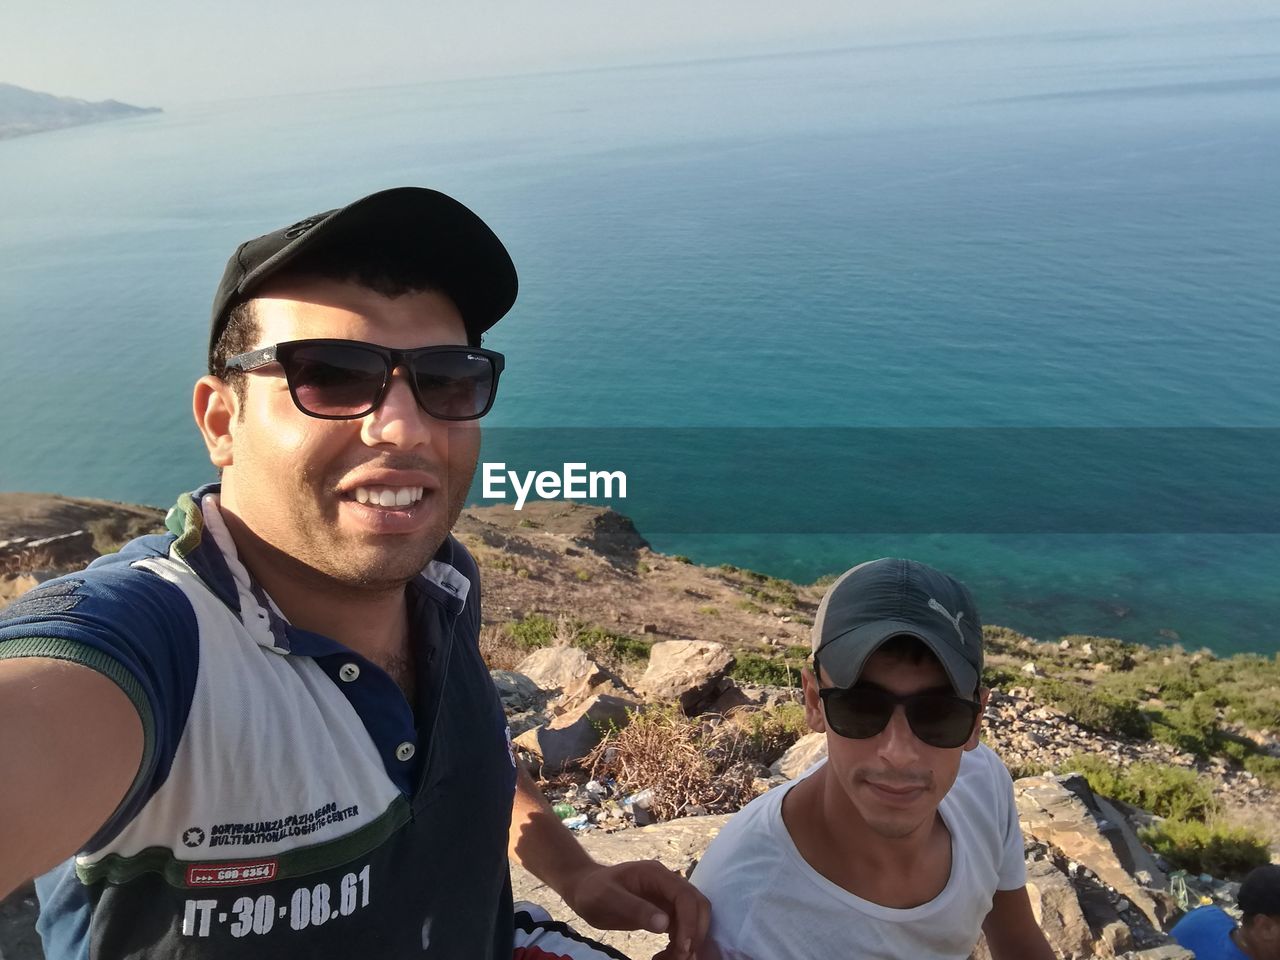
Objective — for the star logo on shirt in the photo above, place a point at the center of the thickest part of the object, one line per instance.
(193, 837)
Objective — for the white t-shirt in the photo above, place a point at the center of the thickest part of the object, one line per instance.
(767, 903)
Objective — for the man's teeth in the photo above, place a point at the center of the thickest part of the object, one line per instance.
(388, 496)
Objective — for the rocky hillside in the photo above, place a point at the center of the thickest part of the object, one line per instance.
(1148, 780)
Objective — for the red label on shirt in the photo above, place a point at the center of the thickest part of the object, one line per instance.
(230, 874)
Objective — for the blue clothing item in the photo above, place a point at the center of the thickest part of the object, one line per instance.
(290, 803)
(1206, 932)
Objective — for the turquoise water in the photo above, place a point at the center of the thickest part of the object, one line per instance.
(1068, 230)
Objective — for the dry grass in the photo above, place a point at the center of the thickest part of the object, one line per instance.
(768, 733)
(499, 649)
(686, 763)
(27, 560)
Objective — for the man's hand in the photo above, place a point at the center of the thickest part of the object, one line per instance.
(642, 895)
(637, 895)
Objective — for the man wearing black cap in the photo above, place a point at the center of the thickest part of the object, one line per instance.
(1211, 934)
(905, 843)
(270, 733)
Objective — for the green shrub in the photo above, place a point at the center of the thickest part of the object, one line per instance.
(999, 677)
(1215, 848)
(536, 631)
(1191, 726)
(1116, 654)
(769, 671)
(1266, 768)
(1001, 639)
(775, 596)
(1251, 691)
(533, 631)
(1097, 710)
(607, 645)
(1174, 792)
(772, 731)
(681, 558)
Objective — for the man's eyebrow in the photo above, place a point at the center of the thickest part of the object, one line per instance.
(944, 688)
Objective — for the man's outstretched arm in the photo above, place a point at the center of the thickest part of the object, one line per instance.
(637, 895)
(71, 746)
(1011, 928)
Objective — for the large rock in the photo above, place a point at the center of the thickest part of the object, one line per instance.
(1056, 815)
(687, 671)
(677, 844)
(802, 755)
(562, 671)
(1057, 910)
(516, 691)
(523, 701)
(571, 736)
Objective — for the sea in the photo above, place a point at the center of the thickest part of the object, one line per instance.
(1009, 305)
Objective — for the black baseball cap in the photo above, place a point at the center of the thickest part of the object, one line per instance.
(406, 225)
(1260, 891)
(892, 597)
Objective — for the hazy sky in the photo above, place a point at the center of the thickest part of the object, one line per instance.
(161, 52)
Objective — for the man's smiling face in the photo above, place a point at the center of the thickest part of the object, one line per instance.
(297, 482)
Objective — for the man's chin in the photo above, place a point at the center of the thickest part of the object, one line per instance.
(387, 564)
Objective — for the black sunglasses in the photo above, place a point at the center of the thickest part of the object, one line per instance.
(347, 379)
(938, 719)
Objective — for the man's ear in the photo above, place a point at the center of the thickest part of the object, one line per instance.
(216, 407)
(984, 694)
(813, 714)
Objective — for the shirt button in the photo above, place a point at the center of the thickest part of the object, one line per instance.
(404, 752)
(349, 672)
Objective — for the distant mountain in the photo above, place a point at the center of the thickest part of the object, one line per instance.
(26, 111)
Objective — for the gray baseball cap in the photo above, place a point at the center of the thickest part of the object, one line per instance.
(891, 597)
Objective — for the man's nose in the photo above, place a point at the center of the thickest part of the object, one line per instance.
(898, 745)
(399, 420)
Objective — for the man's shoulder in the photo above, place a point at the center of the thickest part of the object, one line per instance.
(1207, 919)
(981, 769)
(753, 829)
(983, 789)
(114, 582)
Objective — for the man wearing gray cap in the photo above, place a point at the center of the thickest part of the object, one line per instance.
(1211, 934)
(269, 733)
(905, 843)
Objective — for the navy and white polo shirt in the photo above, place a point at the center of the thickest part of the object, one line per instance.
(287, 804)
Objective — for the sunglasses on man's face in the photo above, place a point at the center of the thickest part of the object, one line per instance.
(348, 379)
(937, 719)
